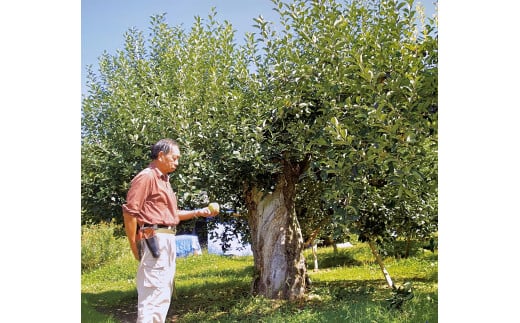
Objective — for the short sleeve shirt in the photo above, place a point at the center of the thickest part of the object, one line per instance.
(151, 198)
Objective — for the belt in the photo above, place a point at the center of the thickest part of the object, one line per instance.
(170, 231)
(160, 228)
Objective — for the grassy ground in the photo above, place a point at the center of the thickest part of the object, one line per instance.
(348, 287)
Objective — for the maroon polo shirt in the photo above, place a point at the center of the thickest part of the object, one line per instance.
(151, 198)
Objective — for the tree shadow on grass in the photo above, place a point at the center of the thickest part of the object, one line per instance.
(339, 259)
(122, 305)
(184, 300)
(125, 310)
(359, 290)
(221, 298)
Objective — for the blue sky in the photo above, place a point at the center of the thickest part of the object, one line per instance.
(104, 22)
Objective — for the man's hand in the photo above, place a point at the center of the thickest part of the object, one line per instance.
(191, 214)
(206, 212)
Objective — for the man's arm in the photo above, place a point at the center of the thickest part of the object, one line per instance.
(130, 229)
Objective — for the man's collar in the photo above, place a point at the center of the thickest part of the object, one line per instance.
(164, 177)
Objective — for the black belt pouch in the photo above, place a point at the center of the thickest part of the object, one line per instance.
(150, 238)
(153, 245)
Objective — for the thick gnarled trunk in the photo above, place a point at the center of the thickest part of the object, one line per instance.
(277, 242)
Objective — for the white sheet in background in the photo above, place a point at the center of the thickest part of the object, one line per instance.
(236, 248)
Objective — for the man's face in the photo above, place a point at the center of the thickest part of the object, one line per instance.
(170, 161)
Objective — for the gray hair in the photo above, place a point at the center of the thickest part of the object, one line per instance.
(164, 145)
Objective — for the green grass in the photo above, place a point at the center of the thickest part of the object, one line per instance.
(348, 287)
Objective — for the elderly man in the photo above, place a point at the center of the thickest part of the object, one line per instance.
(150, 218)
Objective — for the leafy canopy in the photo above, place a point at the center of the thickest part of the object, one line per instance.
(349, 86)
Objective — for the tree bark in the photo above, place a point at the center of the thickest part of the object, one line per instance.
(276, 239)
